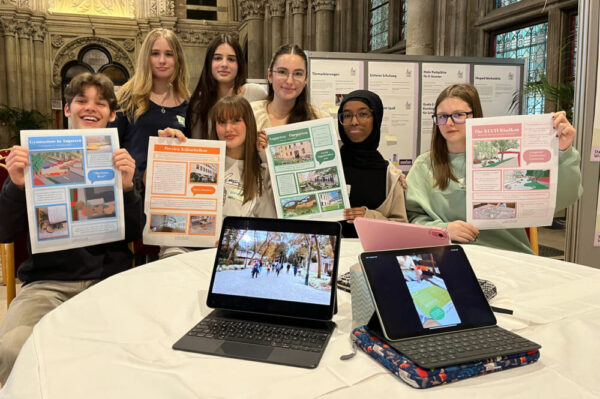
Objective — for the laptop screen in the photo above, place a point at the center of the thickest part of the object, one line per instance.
(425, 290)
(276, 266)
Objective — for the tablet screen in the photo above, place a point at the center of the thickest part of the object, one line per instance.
(425, 290)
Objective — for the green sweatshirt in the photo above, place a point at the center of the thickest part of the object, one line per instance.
(428, 205)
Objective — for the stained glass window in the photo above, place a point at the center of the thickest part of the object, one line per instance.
(378, 24)
(504, 3)
(573, 48)
(403, 33)
(530, 43)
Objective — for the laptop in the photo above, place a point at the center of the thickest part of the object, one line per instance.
(430, 307)
(376, 235)
(273, 291)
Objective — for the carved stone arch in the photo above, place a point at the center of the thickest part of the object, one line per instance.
(70, 51)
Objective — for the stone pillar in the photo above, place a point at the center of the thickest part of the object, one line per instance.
(40, 88)
(419, 27)
(10, 48)
(3, 89)
(24, 31)
(253, 11)
(298, 12)
(324, 15)
(277, 11)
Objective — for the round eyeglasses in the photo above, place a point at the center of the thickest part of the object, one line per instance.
(345, 118)
(283, 74)
(457, 117)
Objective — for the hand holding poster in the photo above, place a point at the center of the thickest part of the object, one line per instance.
(184, 192)
(74, 193)
(512, 171)
(306, 171)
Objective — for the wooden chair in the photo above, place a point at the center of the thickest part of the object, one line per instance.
(532, 233)
(7, 250)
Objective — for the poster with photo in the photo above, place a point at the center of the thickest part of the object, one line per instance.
(184, 192)
(74, 193)
(397, 83)
(435, 77)
(306, 171)
(511, 171)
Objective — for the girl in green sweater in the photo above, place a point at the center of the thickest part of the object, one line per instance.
(436, 194)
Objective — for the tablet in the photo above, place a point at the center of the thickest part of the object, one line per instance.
(377, 235)
(424, 291)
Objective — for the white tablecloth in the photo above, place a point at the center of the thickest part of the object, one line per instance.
(114, 340)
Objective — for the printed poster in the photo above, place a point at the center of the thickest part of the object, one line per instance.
(397, 84)
(511, 171)
(74, 193)
(497, 85)
(306, 171)
(184, 192)
(331, 80)
(595, 155)
(436, 77)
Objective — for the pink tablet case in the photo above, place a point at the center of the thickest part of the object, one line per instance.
(378, 235)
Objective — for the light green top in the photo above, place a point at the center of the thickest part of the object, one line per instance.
(428, 205)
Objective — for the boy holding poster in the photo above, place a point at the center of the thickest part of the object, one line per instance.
(51, 278)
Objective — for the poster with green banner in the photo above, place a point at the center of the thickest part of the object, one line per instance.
(306, 170)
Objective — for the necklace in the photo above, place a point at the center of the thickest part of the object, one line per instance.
(277, 117)
(163, 101)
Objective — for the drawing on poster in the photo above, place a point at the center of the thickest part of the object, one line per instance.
(299, 205)
(203, 173)
(52, 222)
(202, 224)
(527, 179)
(319, 179)
(298, 153)
(98, 144)
(331, 200)
(496, 153)
(92, 203)
(167, 223)
(57, 167)
(494, 210)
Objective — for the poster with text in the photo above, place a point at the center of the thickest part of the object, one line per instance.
(306, 171)
(397, 83)
(595, 155)
(331, 80)
(184, 192)
(497, 85)
(74, 194)
(435, 78)
(511, 171)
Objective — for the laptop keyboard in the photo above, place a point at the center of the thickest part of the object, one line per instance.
(307, 340)
(464, 346)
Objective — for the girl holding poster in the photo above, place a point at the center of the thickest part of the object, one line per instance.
(436, 193)
(286, 102)
(247, 190)
(375, 187)
(155, 96)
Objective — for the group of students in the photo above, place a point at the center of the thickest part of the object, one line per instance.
(224, 107)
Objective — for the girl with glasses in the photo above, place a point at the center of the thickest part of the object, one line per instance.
(436, 193)
(286, 101)
(375, 186)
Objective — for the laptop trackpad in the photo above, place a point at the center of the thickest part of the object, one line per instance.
(243, 350)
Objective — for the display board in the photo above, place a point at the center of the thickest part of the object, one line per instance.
(408, 87)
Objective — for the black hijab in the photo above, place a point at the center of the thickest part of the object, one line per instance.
(363, 155)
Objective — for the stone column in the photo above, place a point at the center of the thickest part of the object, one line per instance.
(10, 48)
(40, 88)
(253, 11)
(324, 15)
(419, 27)
(298, 12)
(24, 32)
(277, 11)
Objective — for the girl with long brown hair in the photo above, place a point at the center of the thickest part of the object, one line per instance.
(436, 193)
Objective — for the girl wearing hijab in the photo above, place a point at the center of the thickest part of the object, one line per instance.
(375, 187)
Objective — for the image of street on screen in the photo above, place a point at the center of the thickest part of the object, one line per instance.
(428, 291)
